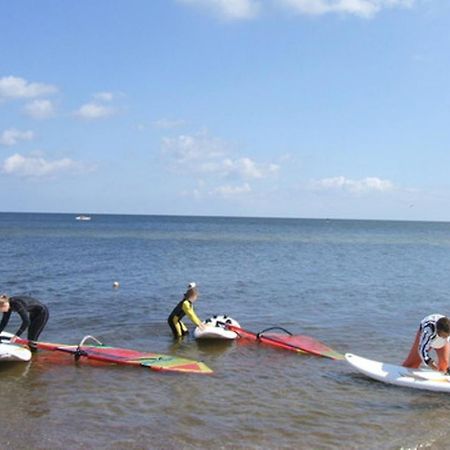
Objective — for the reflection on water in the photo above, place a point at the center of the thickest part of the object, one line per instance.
(211, 348)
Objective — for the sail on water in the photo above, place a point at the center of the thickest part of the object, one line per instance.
(99, 352)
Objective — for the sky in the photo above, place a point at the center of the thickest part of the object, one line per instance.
(261, 108)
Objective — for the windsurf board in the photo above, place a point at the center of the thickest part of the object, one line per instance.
(12, 352)
(216, 328)
(426, 379)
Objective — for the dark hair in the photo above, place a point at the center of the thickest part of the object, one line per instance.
(443, 324)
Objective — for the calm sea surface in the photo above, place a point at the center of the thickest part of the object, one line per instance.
(359, 286)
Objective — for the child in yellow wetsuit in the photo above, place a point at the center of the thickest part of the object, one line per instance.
(184, 308)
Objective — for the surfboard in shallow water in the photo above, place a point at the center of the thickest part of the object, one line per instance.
(113, 355)
(215, 328)
(288, 341)
(430, 380)
(12, 352)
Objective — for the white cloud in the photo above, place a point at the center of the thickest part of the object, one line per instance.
(208, 162)
(37, 166)
(228, 9)
(241, 168)
(354, 186)
(167, 124)
(12, 137)
(204, 155)
(232, 191)
(104, 96)
(92, 111)
(193, 150)
(40, 109)
(247, 168)
(361, 8)
(249, 9)
(15, 87)
(100, 107)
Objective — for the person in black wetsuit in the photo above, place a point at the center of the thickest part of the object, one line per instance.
(33, 313)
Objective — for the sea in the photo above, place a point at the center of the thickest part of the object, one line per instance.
(358, 286)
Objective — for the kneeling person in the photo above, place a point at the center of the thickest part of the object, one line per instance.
(433, 333)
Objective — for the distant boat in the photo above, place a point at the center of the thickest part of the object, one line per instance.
(83, 218)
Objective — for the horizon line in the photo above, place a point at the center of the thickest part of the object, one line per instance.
(220, 216)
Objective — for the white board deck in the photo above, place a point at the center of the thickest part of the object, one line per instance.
(214, 328)
(12, 352)
(427, 379)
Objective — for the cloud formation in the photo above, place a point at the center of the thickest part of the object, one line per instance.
(18, 88)
(228, 9)
(250, 9)
(100, 108)
(12, 136)
(93, 111)
(37, 166)
(369, 184)
(167, 124)
(361, 8)
(40, 109)
(202, 154)
(193, 151)
(246, 168)
(104, 96)
(210, 161)
(231, 191)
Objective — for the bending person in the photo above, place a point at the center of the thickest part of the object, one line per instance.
(33, 313)
(433, 333)
(184, 308)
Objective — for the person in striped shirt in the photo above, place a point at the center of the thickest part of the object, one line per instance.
(433, 333)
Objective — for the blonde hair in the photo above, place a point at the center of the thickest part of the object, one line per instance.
(190, 293)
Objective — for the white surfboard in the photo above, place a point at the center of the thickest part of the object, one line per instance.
(427, 379)
(12, 352)
(215, 328)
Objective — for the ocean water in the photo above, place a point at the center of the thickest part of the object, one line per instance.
(358, 286)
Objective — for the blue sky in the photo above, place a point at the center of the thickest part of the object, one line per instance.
(273, 108)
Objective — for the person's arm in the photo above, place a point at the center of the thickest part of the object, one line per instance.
(5, 320)
(424, 347)
(22, 311)
(189, 310)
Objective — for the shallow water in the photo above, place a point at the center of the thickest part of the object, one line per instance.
(359, 286)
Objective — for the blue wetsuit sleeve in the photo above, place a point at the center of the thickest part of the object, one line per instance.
(424, 345)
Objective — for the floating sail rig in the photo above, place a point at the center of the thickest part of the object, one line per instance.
(100, 352)
(288, 341)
